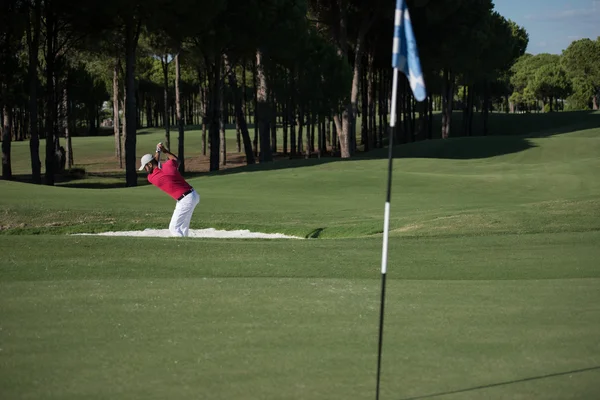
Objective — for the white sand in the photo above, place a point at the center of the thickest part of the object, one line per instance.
(199, 233)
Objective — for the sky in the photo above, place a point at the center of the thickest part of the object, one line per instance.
(553, 24)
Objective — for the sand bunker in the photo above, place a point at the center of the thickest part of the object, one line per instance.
(200, 233)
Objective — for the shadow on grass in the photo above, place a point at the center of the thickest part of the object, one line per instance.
(99, 180)
(533, 378)
(456, 148)
(543, 125)
(315, 234)
(528, 125)
(509, 133)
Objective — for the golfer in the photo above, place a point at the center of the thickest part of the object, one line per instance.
(168, 179)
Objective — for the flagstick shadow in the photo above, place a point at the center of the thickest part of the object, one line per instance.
(576, 371)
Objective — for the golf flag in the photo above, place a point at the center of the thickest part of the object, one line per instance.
(405, 56)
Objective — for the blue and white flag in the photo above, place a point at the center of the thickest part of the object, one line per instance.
(405, 56)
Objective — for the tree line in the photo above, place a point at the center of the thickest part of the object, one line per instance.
(313, 68)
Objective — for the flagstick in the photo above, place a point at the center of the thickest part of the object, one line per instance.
(386, 223)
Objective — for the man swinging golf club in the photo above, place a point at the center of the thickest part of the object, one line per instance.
(168, 179)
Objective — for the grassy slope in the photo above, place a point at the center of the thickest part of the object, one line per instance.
(472, 186)
(493, 273)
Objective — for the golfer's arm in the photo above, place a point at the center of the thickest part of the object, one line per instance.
(170, 155)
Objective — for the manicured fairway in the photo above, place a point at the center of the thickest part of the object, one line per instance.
(493, 286)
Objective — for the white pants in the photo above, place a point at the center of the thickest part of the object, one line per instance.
(180, 221)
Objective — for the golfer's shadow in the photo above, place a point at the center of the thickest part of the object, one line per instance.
(533, 378)
(315, 234)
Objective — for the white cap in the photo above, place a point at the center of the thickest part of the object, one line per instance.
(145, 160)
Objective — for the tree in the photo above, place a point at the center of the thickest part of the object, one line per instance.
(581, 60)
(160, 45)
(550, 82)
(12, 26)
(34, 18)
(264, 110)
(519, 42)
(239, 112)
(65, 27)
(524, 71)
(505, 43)
(342, 17)
(132, 34)
(583, 95)
(462, 25)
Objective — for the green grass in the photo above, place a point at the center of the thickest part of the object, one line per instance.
(493, 286)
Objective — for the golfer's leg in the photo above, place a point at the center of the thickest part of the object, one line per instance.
(194, 200)
(189, 206)
(177, 221)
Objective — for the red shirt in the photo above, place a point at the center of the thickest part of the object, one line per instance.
(169, 180)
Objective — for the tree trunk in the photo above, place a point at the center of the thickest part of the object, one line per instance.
(300, 127)
(342, 121)
(222, 143)
(321, 139)
(149, 123)
(50, 99)
(341, 124)
(167, 120)
(486, 107)
(215, 113)
(291, 114)
(413, 114)
(190, 116)
(264, 110)
(238, 136)
(465, 104)
(155, 117)
(471, 100)
(203, 108)
(273, 124)
(292, 135)
(131, 39)
(447, 98)
(380, 107)
(402, 111)
(430, 118)
(72, 124)
(255, 106)
(285, 119)
(33, 40)
(116, 126)
(309, 133)
(334, 139)
(238, 132)
(124, 121)
(240, 115)
(364, 131)
(371, 142)
(6, 141)
(180, 148)
(66, 126)
(138, 112)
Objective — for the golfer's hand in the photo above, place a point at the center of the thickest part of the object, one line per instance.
(160, 147)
